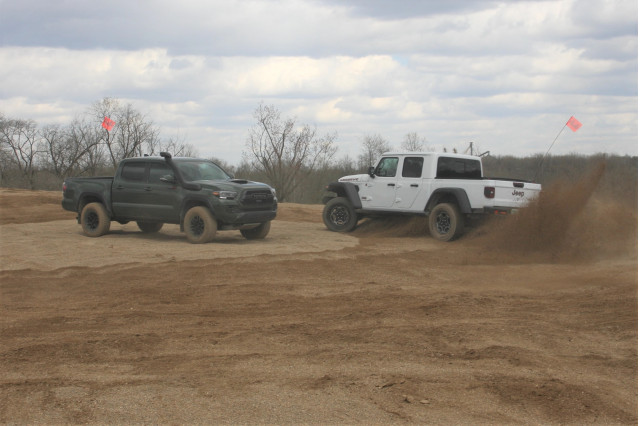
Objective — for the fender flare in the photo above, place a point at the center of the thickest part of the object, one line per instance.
(459, 194)
(348, 190)
(91, 197)
(193, 201)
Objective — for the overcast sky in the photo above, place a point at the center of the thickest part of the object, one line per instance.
(506, 75)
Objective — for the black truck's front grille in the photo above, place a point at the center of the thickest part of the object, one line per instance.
(260, 199)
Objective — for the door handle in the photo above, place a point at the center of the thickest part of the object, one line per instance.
(414, 185)
(391, 184)
(119, 187)
(147, 188)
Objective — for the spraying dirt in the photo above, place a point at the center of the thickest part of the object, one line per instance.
(527, 320)
(567, 223)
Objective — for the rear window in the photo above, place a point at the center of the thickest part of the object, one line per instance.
(458, 168)
(133, 171)
(412, 167)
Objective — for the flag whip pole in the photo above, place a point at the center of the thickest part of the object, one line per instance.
(546, 153)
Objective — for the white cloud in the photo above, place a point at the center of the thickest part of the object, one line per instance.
(504, 74)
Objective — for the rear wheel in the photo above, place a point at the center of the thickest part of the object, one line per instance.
(95, 220)
(339, 215)
(257, 233)
(199, 225)
(149, 227)
(446, 222)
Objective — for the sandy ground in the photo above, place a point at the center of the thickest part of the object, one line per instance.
(383, 325)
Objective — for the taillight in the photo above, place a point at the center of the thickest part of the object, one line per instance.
(64, 186)
(489, 192)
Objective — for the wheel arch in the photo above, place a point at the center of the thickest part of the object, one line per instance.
(191, 202)
(456, 196)
(91, 197)
(347, 190)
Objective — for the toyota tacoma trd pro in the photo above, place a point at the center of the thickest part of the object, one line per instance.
(194, 193)
(447, 188)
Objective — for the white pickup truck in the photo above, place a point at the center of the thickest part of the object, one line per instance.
(448, 188)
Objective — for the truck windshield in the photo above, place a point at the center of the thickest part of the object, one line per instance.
(201, 170)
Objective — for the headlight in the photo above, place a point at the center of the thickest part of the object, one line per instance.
(225, 195)
(273, 191)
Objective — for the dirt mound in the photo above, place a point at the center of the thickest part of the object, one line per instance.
(22, 206)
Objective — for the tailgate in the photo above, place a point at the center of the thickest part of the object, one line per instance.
(514, 193)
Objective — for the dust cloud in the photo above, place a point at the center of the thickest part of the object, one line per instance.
(569, 221)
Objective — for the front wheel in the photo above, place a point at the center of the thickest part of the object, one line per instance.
(446, 222)
(339, 215)
(199, 225)
(95, 220)
(257, 233)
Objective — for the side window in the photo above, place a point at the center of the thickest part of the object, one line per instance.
(387, 167)
(412, 167)
(158, 170)
(458, 168)
(134, 172)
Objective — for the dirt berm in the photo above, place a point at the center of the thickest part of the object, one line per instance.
(528, 320)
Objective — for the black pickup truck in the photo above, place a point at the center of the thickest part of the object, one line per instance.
(194, 193)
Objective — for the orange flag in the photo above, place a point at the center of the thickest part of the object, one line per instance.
(574, 124)
(108, 124)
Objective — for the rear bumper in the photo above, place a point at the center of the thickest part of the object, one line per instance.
(500, 210)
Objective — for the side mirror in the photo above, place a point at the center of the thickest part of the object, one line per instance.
(169, 179)
(371, 169)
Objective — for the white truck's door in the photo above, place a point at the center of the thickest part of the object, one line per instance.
(380, 190)
(410, 182)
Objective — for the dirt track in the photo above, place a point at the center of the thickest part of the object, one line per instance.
(381, 326)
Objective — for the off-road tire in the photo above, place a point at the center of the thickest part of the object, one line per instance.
(446, 222)
(149, 227)
(257, 233)
(339, 215)
(95, 220)
(199, 225)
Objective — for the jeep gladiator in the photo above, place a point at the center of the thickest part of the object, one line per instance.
(448, 188)
(194, 193)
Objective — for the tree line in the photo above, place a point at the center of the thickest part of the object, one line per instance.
(292, 157)
(32, 156)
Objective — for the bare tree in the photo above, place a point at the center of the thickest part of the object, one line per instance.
(413, 143)
(88, 137)
(373, 146)
(72, 149)
(19, 140)
(132, 134)
(285, 152)
(135, 134)
(176, 146)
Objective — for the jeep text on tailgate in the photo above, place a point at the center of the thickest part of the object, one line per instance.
(448, 188)
(194, 193)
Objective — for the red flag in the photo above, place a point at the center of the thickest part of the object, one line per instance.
(108, 123)
(574, 124)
